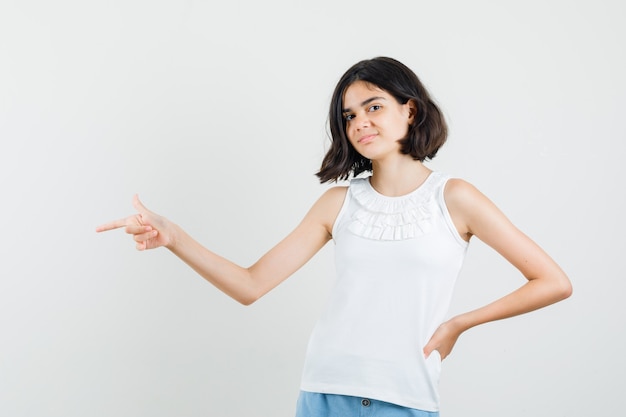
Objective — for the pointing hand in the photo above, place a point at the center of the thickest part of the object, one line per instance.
(149, 230)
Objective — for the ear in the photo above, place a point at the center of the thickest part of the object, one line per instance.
(412, 108)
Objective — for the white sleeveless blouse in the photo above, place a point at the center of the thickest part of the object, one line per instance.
(397, 261)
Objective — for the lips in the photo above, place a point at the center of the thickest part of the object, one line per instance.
(366, 139)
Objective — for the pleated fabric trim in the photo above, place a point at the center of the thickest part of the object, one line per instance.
(379, 217)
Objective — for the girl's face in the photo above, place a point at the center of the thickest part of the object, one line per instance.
(375, 121)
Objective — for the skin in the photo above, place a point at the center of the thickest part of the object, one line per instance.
(375, 121)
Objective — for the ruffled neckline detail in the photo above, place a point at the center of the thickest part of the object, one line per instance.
(380, 217)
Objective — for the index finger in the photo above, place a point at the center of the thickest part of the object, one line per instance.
(112, 225)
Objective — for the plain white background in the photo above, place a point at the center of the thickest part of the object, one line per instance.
(214, 112)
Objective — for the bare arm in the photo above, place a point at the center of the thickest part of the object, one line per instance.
(245, 285)
(475, 215)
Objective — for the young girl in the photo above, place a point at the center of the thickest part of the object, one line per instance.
(400, 237)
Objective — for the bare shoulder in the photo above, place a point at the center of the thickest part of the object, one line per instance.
(335, 194)
(461, 195)
(332, 201)
(467, 205)
(460, 189)
(327, 206)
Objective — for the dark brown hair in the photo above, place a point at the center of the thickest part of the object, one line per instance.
(426, 135)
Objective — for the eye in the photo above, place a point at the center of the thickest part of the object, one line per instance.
(375, 107)
(348, 117)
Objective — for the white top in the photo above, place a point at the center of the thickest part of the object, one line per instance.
(397, 260)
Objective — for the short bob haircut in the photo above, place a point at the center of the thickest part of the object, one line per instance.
(426, 135)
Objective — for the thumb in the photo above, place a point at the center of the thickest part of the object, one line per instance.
(138, 205)
(428, 349)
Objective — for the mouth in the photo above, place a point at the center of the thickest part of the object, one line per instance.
(366, 139)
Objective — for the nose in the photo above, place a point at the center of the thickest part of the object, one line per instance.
(361, 121)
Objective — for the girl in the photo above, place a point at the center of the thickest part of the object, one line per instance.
(400, 236)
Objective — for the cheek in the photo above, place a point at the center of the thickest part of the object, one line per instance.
(350, 133)
(401, 127)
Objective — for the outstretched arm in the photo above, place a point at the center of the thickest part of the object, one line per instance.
(245, 285)
(475, 215)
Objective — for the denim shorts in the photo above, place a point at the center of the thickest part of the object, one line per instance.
(312, 404)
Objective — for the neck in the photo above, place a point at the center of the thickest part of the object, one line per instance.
(398, 177)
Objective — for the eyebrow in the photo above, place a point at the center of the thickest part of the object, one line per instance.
(363, 103)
